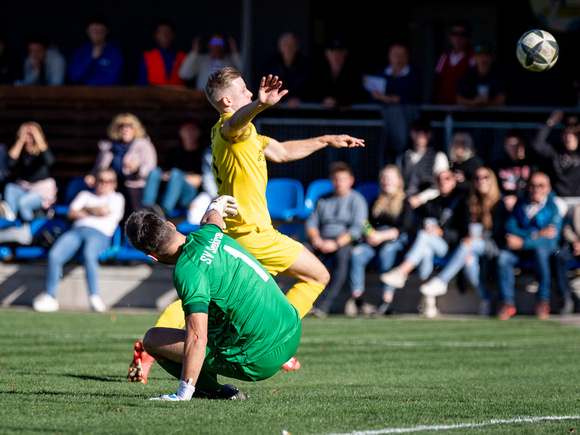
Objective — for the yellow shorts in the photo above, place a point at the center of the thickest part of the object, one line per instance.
(274, 250)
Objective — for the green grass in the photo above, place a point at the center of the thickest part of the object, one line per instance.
(65, 373)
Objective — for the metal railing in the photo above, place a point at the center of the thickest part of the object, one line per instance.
(371, 122)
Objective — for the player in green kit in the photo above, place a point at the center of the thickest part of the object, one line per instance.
(238, 323)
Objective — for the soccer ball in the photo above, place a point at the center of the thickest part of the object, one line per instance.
(537, 50)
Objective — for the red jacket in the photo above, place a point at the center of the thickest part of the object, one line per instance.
(156, 74)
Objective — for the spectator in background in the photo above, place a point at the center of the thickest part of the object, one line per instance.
(463, 160)
(402, 80)
(198, 66)
(336, 81)
(131, 154)
(44, 64)
(486, 232)
(568, 252)
(483, 84)
(514, 170)
(444, 224)
(452, 64)
(209, 190)
(160, 65)
(562, 160)
(95, 217)
(532, 230)
(10, 62)
(32, 188)
(420, 164)
(337, 220)
(178, 183)
(401, 94)
(291, 66)
(98, 62)
(390, 220)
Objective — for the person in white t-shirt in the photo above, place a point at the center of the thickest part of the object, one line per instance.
(95, 217)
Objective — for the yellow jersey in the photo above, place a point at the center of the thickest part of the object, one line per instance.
(240, 170)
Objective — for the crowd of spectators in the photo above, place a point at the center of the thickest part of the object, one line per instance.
(335, 74)
(437, 220)
(432, 204)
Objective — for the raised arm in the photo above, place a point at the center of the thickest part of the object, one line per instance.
(269, 94)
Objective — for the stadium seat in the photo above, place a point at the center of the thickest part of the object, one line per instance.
(315, 190)
(294, 231)
(126, 253)
(285, 197)
(73, 187)
(370, 190)
(37, 227)
(185, 227)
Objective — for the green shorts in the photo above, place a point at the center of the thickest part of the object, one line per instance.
(261, 369)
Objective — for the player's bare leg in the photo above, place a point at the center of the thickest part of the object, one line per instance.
(312, 278)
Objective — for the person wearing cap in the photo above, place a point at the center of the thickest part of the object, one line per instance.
(221, 52)
(484, 83)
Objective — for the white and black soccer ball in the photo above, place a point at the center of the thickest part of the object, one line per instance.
(537, 50)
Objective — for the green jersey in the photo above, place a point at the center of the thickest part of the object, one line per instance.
(248, 315)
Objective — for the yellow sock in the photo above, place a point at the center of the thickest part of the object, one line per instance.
(172, 317)
(303, 295)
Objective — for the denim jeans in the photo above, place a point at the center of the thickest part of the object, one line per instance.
(561, 259)
(178, 192)
(506, 264)
(423, 251)
(93, 243)
(363, 254)
(22, 202)
(466, 257)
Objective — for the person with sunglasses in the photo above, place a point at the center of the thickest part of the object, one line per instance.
(533, 231)
(95, 217)
(197, 66)
(486, 230)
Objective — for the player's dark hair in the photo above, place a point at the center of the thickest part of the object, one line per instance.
(148, 232)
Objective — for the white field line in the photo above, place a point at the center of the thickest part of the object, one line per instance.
(320, 341)
(461, 425)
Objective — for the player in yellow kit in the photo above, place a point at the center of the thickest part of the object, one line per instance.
(239, 157)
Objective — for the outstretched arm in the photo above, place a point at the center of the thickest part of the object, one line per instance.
(288, 151)
(270, 93)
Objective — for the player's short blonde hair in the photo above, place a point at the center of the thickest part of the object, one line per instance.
(218, 81)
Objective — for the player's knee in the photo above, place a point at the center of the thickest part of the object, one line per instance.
(150, 340)
(323, 277)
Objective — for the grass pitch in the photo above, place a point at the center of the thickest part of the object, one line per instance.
(65, 373)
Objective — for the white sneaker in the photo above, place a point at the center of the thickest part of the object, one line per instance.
(97, 304)
(45, 303)
(6, 212)
(434, 287)
(429, 307)
(394, 278)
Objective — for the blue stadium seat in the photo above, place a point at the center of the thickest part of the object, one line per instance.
(126, 253)
(37, 226)
(370, 190)
(315, 190)
(285, 197)
(73, 187)
(185, 227)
